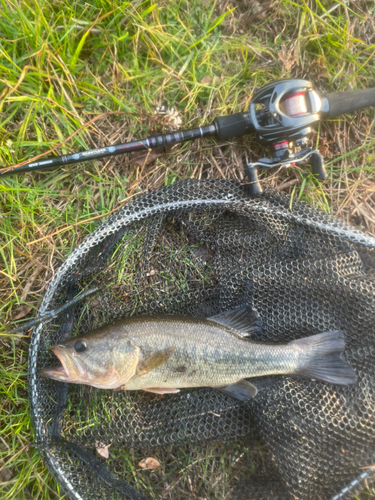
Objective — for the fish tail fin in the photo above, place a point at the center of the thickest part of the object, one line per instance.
(321, 358)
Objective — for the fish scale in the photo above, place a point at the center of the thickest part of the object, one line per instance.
(209, 354)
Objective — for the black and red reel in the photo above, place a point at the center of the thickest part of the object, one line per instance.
(282, 115)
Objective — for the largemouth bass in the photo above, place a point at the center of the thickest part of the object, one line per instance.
(163, 354)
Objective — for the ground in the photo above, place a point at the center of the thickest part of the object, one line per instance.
(77, 75)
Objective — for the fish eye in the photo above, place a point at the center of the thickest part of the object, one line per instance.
(80, 346)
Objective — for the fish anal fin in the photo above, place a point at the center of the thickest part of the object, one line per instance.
(242, 390)
(245, 320)
(161, 390)
(153, 361)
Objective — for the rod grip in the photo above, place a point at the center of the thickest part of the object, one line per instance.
(231, 126)
(347, 102)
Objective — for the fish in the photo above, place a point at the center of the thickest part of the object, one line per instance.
(163, 354)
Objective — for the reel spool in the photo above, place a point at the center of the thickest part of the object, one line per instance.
(294, 104)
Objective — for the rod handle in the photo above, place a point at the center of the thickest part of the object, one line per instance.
(340, 103)
(231, 126)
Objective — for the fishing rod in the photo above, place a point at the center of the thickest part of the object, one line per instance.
(281, 115)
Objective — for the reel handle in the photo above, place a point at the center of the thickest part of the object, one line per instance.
(254, 187)
(317, 163)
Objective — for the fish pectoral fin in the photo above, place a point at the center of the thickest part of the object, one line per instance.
(161, 390)
(245, 320)
(155, 360)
(242, 390)
(113, 377)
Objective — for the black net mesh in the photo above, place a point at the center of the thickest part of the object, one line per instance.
(197, 248)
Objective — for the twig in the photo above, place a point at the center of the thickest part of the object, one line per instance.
(14, 456)
(286, 184)
(30, 282)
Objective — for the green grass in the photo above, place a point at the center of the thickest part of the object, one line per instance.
(63, 64)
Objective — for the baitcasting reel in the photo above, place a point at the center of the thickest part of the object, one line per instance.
(281, 115)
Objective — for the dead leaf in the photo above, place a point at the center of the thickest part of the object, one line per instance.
(324, 148)
(206, 80)
(145, 158)
(168, 117)
(103, 450)
(287, 58)
(5, 475)
(31, 281)
(21, 312)
(202, 252)
(149, 463)
(259, 11)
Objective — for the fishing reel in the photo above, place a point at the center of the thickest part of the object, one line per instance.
(281, 114)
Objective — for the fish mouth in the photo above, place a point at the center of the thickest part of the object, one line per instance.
(58, 372)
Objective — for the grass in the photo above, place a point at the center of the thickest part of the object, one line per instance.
(76, 75)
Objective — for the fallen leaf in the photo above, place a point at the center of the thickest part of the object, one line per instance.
(168, 117)
(145, 158)
(287, 58)
(21, 312)
(202, 252)
(5, 475)
(259, 11)
(103, 450)
(149, 463)
(206, 80)
(324, 149)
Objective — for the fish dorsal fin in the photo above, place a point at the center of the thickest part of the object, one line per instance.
(242, 390)
(155, 360)
(245, 320)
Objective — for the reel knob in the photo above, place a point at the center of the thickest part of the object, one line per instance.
(318, 167)
(254, 188)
